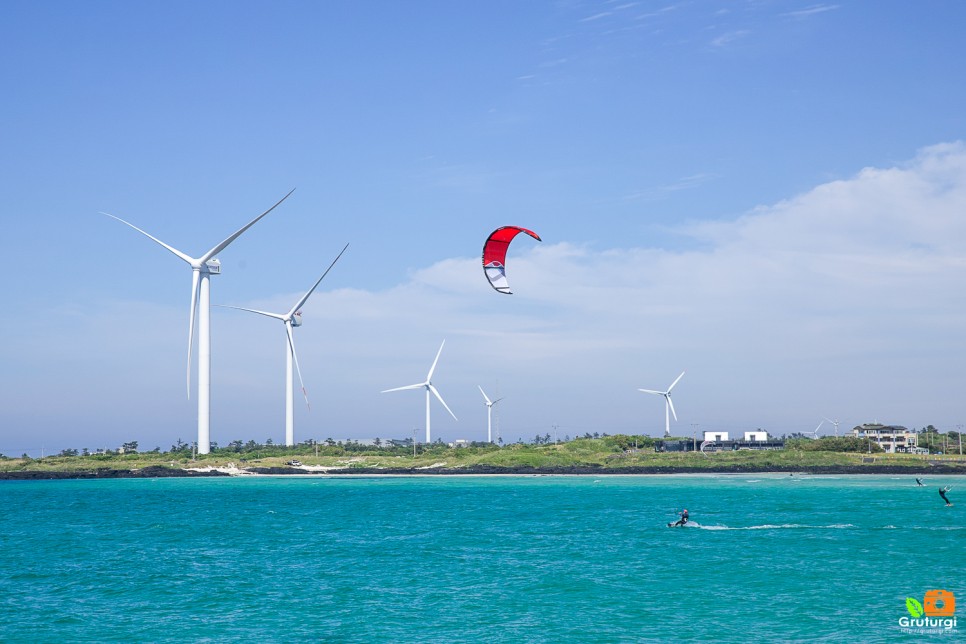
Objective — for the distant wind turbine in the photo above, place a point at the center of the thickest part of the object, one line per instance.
(489, 414)
(668, 405)
(836, 423)
(428, 386)
(291, 319)
(814, 432)
(201, 268)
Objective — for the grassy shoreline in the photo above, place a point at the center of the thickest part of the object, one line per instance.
(577, 457)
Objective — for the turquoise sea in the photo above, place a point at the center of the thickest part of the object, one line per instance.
(773, 558)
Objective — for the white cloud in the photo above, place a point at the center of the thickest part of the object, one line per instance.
(836, 301)
(726, 39)
(813, 10)
(844, 301)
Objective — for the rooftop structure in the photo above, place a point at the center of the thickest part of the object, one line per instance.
(891, 438)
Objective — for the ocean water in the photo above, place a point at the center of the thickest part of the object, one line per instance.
(769, 558)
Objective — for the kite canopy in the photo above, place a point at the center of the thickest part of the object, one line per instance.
(494, 255)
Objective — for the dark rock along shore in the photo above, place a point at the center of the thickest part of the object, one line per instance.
(168, 472)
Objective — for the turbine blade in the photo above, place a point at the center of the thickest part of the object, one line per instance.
(496, 401)
(295, 357)
(488, 402)
(651, 391)
(440, 399)
(419, 386)
(177, 252)
(433, 368)
(277, 316)
(220, 247)
(671, 405)
(305, 297)
(195, 280)
(675, 382)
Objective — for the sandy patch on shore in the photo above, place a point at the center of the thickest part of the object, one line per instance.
(433, 466)
(233, 470)
(230, 469)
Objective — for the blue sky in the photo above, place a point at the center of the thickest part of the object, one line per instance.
(768, 195)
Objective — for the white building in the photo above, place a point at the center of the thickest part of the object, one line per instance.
(717, 437)
(891, 438)
(756, 437)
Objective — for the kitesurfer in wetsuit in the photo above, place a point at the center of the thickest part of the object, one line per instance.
(919, 482)
(942, 493)
(682, 520)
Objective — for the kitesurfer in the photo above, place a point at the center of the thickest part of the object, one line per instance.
(919, 482)
(681, 521)
(942, 493)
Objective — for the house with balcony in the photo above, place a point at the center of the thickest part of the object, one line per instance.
(891, 438)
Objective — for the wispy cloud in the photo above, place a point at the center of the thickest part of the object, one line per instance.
(659, 192)
(813, 10)
(732, 36)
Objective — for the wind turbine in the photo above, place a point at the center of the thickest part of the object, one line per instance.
(428, 386)
(814, 433)
(836, 423)
(668, 405)
(201, 269)
(291, 319)
(489, 414)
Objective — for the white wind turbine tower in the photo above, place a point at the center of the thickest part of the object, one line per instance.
(668, 405)
(291, 319)
(201, 268)
(428, 386)
(836, 423)
(489, 414)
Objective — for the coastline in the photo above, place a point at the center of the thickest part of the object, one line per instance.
(157, 471)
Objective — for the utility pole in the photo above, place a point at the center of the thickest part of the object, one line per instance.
(694, 437)
(554, 434)
(414, 442)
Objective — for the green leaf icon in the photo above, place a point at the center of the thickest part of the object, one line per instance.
(914, 607)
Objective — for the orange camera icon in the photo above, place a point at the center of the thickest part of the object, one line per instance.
(939, 603)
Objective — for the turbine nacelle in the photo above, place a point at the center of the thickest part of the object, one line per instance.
(486, 399)
(297, 318)
(213, 266)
